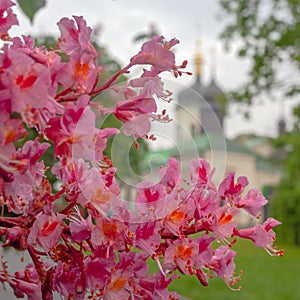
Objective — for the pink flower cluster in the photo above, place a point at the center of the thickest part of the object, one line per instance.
(94, 245)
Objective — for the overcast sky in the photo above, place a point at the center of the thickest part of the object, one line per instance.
(122, 20)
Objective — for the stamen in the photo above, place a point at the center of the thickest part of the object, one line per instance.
(160, 266)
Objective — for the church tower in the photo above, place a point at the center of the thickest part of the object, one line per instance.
(212, 112)
(199, 109)
(188, 111)
(281, 125)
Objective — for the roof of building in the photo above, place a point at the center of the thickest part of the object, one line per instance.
(212, 91)
(197, 92)
(214, 142)
(192, 95)
(205, 143)
(255, 141)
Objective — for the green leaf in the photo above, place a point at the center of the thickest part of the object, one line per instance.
(30, 7)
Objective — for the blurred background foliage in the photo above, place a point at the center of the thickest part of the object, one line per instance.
(268, 33)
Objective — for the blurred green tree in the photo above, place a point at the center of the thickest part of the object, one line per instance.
(268, 34)
(286, 202)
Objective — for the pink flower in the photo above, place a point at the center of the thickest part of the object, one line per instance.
(223, 265)
(75, 39)
(231, 191)
(29, 84)
(156, 287)
(253, 202)
(153, 202)
(27, 283)
(138, 126)
(189, 255)
(109, 232)
(262, 235)
(205, 250)
(72, 173)
(98, 269)
(24, 288)
(25, 81)
(147, 237)
(95, 195)
(150, 83)
(181, 254)
(80, 73)
(170, 176)
(160, 199)
(135, 261)
(156, 53)
(110, 180)
(28, 174)
(135, 113)
(80, 228)
(223, 223)
(212, 216)
(175, 222)
(50, 59)
(32, 151)
(148, 195)
(206, 202)
(119, 287)
(178, 221)
(11, 130)
(139, 107)
(151, 194)
(201, 173)
(40, 55)
(46, 231)
(61, 130)
(16, 238)
(7, 18)
(74, 133)
(68, 280)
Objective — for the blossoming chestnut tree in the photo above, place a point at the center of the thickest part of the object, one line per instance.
(95, 246)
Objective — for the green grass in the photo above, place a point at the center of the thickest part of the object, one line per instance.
(264, 277)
